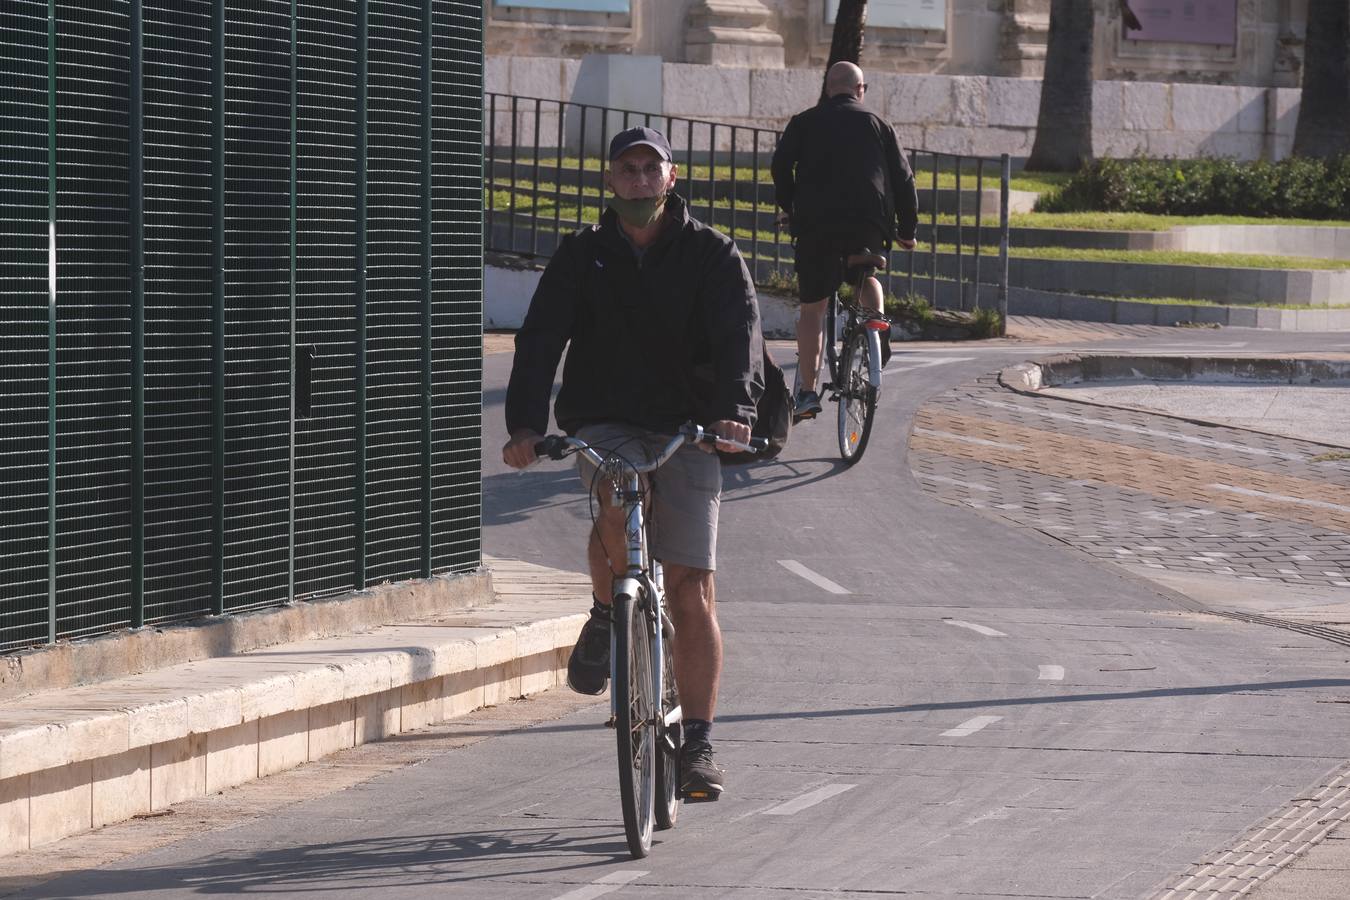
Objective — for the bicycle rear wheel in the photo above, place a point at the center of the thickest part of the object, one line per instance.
(669, 739)
(857, 398)
(635, 710)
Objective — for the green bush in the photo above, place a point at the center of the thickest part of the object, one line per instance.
(1292, 188)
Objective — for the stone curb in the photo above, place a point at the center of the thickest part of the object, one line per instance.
(87, 756)
(1073, 368)
(70, 663)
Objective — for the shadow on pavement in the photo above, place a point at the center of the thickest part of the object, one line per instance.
(995, 703)
(398, 861)
(510, 497)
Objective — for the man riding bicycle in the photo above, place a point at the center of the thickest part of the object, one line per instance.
(842, 182)
(661, 324)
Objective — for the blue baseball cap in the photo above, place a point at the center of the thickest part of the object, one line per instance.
(633, 137)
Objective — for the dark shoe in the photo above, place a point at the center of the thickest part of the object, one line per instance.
(700, 778)
(588, 667)
(807, 406)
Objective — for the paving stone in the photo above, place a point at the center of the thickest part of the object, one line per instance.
(1123, 484)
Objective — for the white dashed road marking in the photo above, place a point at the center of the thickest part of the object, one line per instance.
(606, 884)
(967, 440)
(971, 726)
(1139, 429)
(978, 629)
(1051, 673)
(815, 578)
(942, 479)
(808, 800)
(909, 364)
(1281, 498)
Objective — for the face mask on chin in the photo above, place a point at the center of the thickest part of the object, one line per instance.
(639, 213)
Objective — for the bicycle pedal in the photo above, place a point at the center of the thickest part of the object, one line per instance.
(700, 796)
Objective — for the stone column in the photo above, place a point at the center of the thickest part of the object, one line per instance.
(732, 33)
(1026, 29)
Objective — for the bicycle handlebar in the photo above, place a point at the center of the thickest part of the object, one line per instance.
(557, 446)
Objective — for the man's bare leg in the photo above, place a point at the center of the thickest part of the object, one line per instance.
(810, 321)
(606, 552)
(698, 639)
(871, 294)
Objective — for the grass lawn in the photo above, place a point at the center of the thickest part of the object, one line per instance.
(1040, 182)
(568, 216)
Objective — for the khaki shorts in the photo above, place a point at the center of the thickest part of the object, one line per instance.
(686, 492)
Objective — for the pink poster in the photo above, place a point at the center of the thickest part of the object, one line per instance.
(1183, 21)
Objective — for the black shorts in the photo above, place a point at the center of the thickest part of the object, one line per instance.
(820, 258)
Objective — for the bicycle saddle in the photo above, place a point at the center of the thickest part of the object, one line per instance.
(866, 258)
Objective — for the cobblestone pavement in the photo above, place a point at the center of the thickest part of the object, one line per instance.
(1140, 488)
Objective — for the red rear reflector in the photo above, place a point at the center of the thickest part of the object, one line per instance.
(878, 325)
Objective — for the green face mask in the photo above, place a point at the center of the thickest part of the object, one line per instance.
(639, 213)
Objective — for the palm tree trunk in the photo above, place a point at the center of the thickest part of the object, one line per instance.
(1323, 128)
(1064, 125)
(847, 43)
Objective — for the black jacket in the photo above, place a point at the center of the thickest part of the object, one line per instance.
(838, 164)
(655, 344)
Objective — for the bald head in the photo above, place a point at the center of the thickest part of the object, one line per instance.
(843, 78)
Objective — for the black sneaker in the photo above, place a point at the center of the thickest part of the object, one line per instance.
(807, 406)
(588, 667)
(700, 778)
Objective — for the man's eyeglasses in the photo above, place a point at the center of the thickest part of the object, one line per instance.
(651, 170)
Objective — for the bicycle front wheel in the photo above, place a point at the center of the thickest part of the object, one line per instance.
(634, 722)
(670, 739)
(857, 398)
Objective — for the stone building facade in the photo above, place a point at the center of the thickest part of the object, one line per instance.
(1004, 38)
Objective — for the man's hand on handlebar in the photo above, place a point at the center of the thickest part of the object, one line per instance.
(726, 428)
(905, 244)
(519, 451)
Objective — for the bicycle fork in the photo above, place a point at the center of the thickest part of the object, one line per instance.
(634, 585)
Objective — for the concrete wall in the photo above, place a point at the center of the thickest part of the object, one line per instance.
(976, 114)
(981, 37)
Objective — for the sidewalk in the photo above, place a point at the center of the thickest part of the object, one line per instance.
(1249, 525)
(87, 756)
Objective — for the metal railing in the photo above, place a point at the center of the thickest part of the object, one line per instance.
(543, 162)
(240, 305)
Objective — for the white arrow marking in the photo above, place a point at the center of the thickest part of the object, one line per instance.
(971, 726)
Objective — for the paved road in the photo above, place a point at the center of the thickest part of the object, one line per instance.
(920, 700)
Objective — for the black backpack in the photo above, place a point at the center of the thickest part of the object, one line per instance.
(773, 417)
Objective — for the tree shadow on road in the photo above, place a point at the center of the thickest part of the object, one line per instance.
(413, 861)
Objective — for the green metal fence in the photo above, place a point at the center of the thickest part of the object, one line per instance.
(240, 304)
